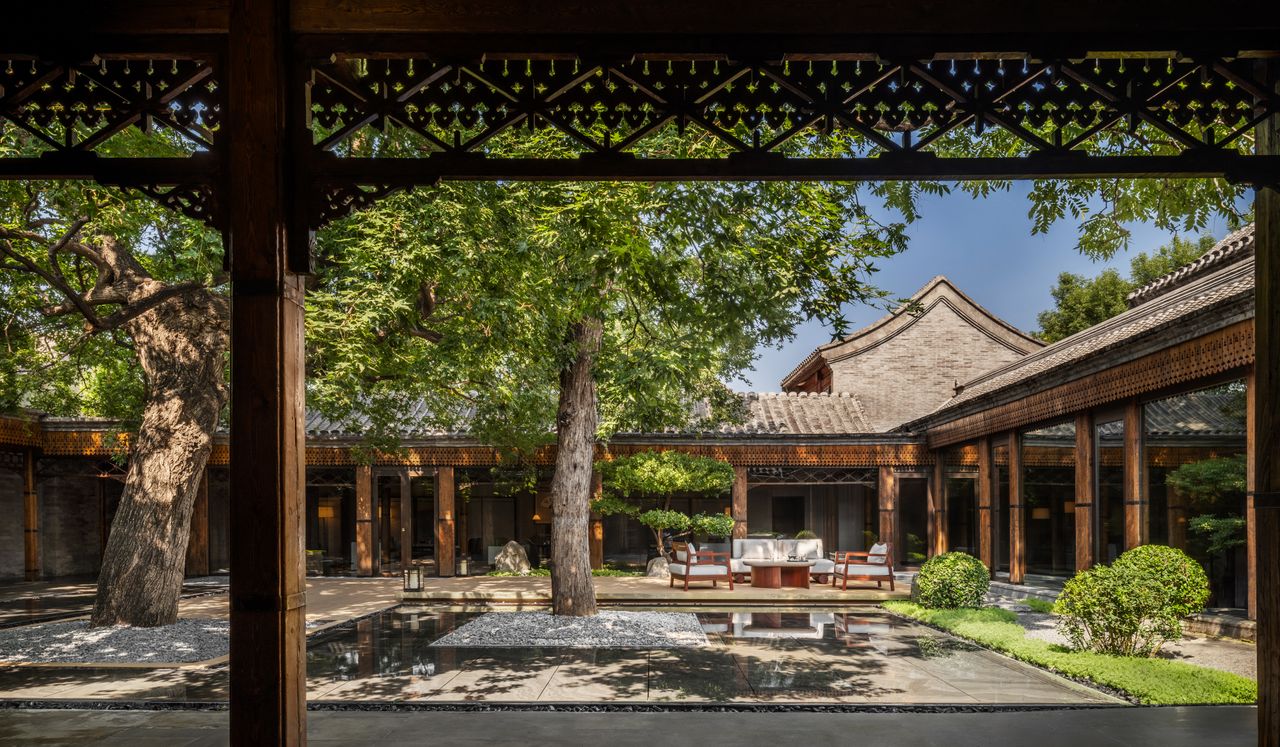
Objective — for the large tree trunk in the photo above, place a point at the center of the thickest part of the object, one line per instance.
(181, 345)
(572, 592)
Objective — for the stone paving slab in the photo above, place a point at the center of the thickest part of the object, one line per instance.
(1189, 726)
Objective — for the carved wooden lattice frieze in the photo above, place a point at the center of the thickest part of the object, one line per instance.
(812, 476)
(79, 106)
(1112, 105)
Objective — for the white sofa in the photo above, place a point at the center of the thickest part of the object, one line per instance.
(753, 548)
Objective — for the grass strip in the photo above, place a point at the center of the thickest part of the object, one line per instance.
(1147, 681)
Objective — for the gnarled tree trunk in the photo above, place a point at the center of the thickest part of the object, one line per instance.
(181, 345)
(577, 417)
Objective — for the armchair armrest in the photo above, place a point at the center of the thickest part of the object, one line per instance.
(863, 558)
(711, 557)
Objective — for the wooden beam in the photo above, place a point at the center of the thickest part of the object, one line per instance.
(198, 539)
(596, 536)
(406, 520)
(268, 591)
(1266, 424)
(936, 506)
(364, 520)
(411, 172)
(889, 522)
(30, 517)
(1251, 486)
(986, 498)
(1017, 513)
(1132, 20)
(445, 521)
(1084, 491)
(739, 500)
(1136, 500)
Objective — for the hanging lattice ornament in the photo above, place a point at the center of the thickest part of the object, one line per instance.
(82, 106)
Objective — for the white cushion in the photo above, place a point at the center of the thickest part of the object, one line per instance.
(693, 554)
(823, 566)
(805, 549)
(862, 569)
(739, 566)
(879, 549)
(755, 549)
(680, 569)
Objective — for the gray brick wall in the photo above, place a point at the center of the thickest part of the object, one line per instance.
(914, 372)
(70, 540)
(11, 548)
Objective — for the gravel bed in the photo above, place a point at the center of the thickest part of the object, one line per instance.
(608, 629)
(187, 640)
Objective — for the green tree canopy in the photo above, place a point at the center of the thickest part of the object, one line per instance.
(1080, 302)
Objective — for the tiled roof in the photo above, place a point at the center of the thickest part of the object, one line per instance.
(1236, 246)
(766, 414)
(1228, 284)
(800, 413)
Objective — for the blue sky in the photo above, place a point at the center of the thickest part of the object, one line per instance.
(983, 246)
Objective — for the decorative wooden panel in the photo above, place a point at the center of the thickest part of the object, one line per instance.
(1228, 349)
(20, 432)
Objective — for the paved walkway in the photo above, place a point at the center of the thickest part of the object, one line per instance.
(1220, 726)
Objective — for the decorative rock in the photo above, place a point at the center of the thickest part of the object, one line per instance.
(657, 568)
(512, 559)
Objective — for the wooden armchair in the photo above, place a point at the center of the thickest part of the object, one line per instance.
(699, 565)
(874, 565)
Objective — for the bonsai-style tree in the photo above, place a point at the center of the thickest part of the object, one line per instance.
(663, 474)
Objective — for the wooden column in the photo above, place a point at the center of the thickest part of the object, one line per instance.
(364, 520)
(30, 517)
(1265, 409)
(739, 502)
(1176, 512)
(406, 520)
(1135, 494)
(595, 537)
(888, 495)
(1017, 513)
(1084, 491)
(986, 497)
(936, 510)
(268, 592)
(198, 539)
(1251, 486)
(444, 522)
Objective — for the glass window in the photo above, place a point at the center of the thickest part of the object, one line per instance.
(1049, 495)
(1109, 441)
(1195, 462)
(913, 519)
(961, 491)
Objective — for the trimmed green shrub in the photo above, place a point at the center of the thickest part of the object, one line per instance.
(1135, 605)
(806, 534)
(712, 525)
(952, 579)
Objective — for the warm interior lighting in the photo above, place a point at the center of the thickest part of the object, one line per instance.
(325, 512)
(1040, 514)
(1068, 507)
(536, 517)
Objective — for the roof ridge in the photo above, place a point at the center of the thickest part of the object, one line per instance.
(1234, 245)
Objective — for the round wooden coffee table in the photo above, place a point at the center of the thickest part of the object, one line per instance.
(776, 574)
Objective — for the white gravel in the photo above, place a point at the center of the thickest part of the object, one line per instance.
(187, 640)
(609, 629)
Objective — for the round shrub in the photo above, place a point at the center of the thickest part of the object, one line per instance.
(1135, 605)
(952, 579)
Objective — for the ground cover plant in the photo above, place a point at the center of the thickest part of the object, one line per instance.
(1149, 681)
(950, 580)
(1135, 605)
(1039, 605)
